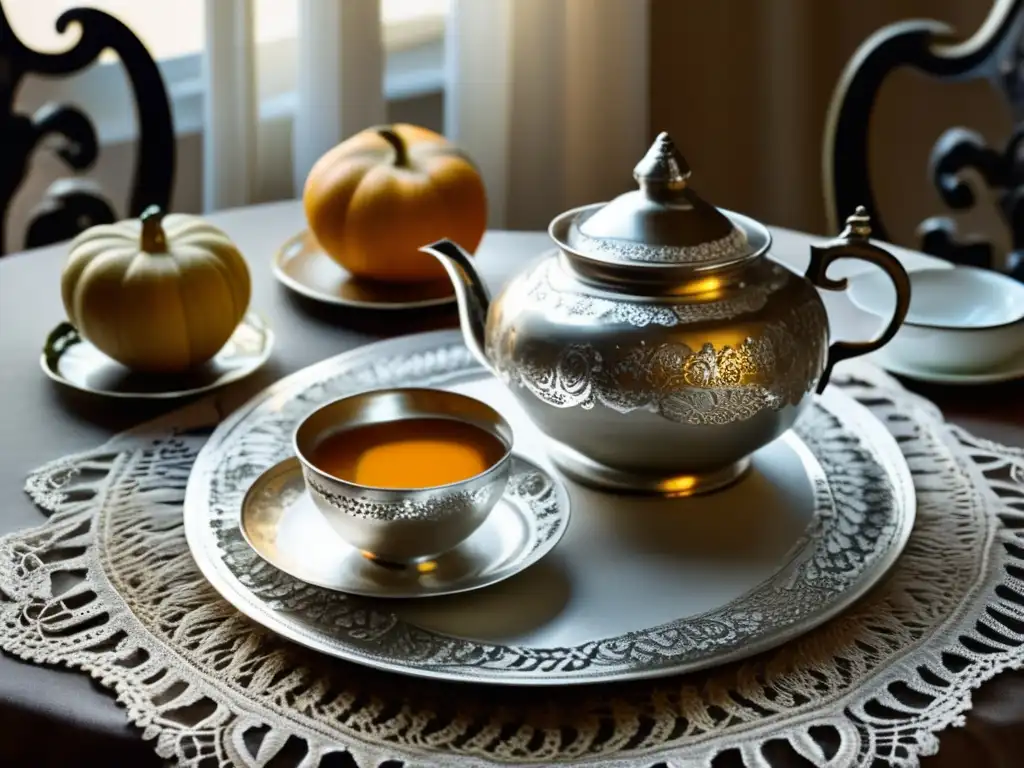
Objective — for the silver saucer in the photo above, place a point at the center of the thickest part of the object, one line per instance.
(1012, 370)
(639, 587)
(304, 268)
(71, 360)
(283, 526)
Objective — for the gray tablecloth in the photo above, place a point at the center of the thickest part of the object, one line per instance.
(56, 717)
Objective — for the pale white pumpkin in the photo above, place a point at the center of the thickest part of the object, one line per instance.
(160, 294)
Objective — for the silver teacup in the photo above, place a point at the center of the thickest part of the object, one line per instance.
(401, 525)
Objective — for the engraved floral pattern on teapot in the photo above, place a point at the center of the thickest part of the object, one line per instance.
(542, 285)
(702, 386)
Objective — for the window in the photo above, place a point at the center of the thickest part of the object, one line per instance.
(173, 30)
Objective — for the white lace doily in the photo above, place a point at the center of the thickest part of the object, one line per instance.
(107, 585)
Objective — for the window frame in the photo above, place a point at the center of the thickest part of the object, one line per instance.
(414, 66)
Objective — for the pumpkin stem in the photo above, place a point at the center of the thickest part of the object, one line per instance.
(154, 239)
(398, 144)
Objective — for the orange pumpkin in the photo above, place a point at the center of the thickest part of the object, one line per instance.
(376, 198)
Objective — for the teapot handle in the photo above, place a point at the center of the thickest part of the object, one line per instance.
(853, 243)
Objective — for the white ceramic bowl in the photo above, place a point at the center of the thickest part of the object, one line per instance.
(961, 320)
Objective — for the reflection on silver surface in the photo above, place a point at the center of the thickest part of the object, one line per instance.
(589, 472)
(283, 526)
(639, 586)
(304, 268)
(662, 558)
(71, 360)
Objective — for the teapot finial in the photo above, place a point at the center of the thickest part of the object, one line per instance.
(663, 165)
(858, 224)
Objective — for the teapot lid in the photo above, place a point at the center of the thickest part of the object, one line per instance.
(664, 222)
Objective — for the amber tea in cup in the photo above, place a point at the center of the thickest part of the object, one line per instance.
(405, 474)
(409, 453)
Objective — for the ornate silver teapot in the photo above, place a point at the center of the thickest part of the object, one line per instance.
(659, 345)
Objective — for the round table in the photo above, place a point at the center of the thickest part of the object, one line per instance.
(56, 717)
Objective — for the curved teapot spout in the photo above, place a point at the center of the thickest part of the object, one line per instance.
(471, 292)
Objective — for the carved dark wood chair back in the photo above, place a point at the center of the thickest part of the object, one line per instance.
(995, 54)
(74, 205)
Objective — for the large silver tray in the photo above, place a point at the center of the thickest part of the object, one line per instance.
(638, 587)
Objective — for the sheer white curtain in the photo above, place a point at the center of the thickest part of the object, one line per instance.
(229, 131)
(338, 88)
(550, 97)
(341, 77)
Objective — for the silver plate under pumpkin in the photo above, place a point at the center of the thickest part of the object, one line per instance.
(638, 587)
(302, 266)
(70, 360)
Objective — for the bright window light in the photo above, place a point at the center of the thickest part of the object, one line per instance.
(174, 28)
